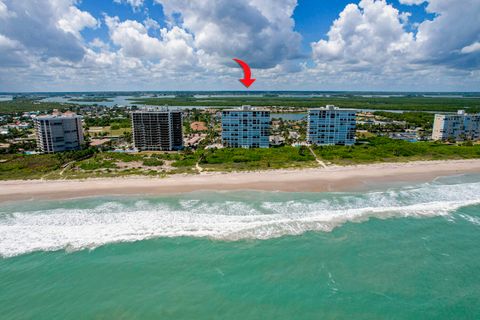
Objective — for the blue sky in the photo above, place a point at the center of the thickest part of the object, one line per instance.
(397, 45)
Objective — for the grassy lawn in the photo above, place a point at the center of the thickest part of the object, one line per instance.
(108, 131)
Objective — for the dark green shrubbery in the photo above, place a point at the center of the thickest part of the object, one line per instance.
(254, 159)
(380, 149)
(153, 162)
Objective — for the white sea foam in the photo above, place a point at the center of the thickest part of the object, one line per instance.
(251, 217)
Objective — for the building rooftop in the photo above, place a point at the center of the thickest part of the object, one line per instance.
(332, 107)
(460, 113)
(59, 115)
(156, 109)
(247, 109)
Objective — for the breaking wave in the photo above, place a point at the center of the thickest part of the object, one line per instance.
(229, 216)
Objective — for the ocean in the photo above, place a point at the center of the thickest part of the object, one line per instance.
(403, 251)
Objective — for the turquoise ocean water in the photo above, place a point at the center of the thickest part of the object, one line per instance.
(390, 252)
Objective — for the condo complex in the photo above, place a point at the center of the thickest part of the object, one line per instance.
(161, 129)
(331, 126)
(456, 127)
(157, 129)
(246, 127)
(59, 132)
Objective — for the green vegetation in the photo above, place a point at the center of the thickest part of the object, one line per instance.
(186, 160)
(124, 157)
(408, 103)
(381, 149)
(256, 159)
(37, 166)
(107, 121)
(27, 105)
(153, 162)
(88, 163)
(27, 167)
(110, 164)
(413, 119)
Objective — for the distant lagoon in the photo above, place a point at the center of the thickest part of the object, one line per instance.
(128, 101)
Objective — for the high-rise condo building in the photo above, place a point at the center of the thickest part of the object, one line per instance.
(246, 127)
(156, 129)
(59, 132)
(458, 127)
(331, 126)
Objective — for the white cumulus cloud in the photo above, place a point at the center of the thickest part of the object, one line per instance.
(136, 4)
(371, 37)
(370, 46)
(75, 21)
(48, 28)
(173, 48)
(259, 31)
(369, 33)
(455, 26)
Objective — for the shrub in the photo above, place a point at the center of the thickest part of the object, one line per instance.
(152, 162)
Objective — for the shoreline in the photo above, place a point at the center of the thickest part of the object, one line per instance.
(330, 179)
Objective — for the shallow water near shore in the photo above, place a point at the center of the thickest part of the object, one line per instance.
(400, 252)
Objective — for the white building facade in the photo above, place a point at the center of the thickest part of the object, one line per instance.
(331, 126)
(457, 127)
(57, 133)
(246, 127)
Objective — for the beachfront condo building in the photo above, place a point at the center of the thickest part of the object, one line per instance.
(157, 129)
(246, 127)
(59, 132)
(457, 127)
(331, 126)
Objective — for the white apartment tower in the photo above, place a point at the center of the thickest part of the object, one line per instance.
(59, 132)
(246, 127)
(458, 127)
(331, 126)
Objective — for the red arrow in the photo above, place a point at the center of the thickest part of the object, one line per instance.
(247, 74)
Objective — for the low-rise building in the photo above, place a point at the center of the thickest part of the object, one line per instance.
(277, 140)
(458, 127)
(331, 126)
(293, 135)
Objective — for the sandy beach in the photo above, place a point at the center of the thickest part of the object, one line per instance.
(332, 178)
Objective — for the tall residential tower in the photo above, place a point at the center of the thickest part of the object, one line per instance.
(155, 129)
(458, 127)
(59, 132)
(246, 127)
(331, 126)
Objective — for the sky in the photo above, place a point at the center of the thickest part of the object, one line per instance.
(134, 45)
